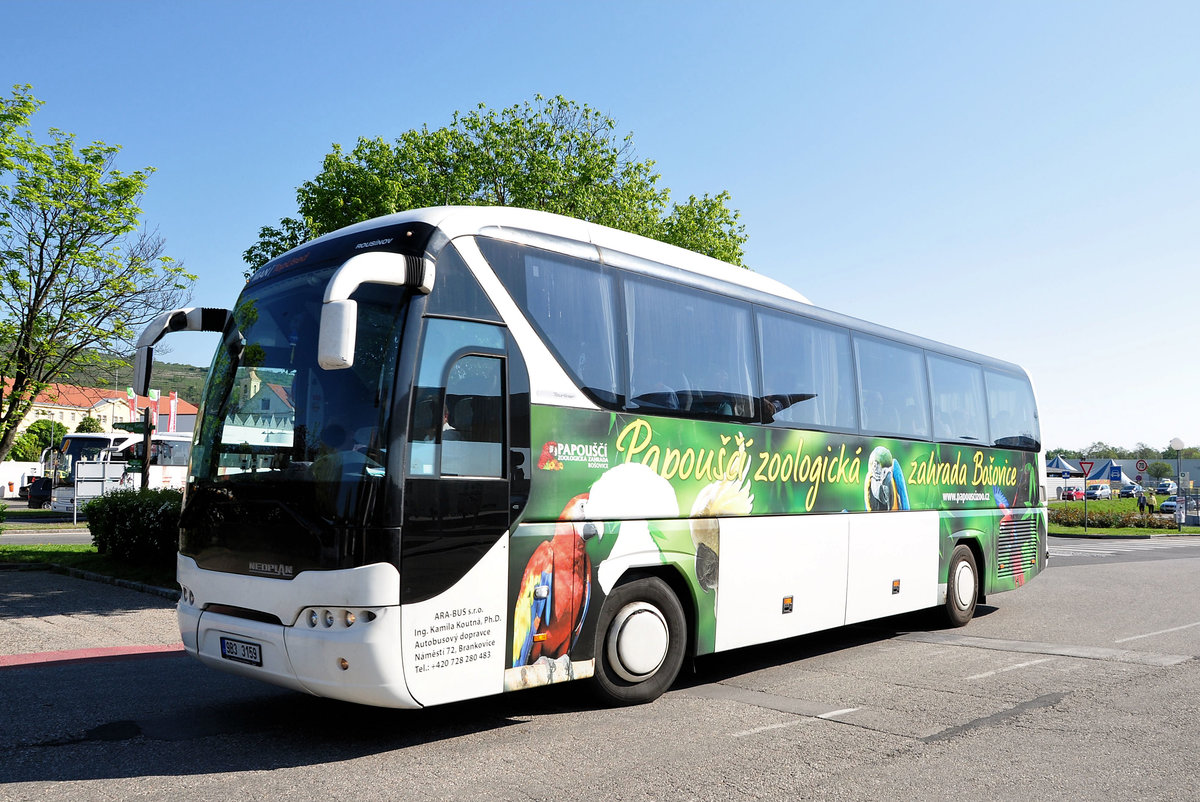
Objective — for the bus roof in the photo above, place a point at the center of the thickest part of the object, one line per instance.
(558, 232)
(456, 221)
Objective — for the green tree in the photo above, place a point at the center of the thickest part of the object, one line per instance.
(89, 425)
(1101, 450)
(25, 448)
(40, 434)
(552, 154)
(1160, 470)
(79, 275)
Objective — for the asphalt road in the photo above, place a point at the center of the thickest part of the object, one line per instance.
(1082, 685)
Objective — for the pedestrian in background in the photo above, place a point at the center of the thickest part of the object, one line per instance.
(1141, 503)
(1150, 501)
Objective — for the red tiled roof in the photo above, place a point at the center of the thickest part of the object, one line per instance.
(69, 395)
(279, 390)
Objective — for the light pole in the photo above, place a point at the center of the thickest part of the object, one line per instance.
(1177, 444)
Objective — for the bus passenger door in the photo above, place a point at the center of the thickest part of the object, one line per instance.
(453, 545)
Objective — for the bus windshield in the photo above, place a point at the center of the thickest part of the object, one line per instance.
(60, 461)
(272, 417)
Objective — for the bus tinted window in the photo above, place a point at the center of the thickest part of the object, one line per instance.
(957, 388)
(456, 293)
(570, 302)
(892, 388)
(808, 375)
(1011, 411)
(690, 351)
(473, 432)
(457, 397)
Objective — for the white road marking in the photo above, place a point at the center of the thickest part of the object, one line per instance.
(1010, 668)
(1110, 546)
(834, 713)
(831, 715)
(757, 730)
(1159, 632)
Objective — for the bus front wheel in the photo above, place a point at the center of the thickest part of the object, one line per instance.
(640, 642)
(962, 586)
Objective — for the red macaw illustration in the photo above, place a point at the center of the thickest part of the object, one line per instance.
(555, 589)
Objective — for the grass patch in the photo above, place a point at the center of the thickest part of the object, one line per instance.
(1121, 531)
(86, 558)
(41, 526)
(24, 513)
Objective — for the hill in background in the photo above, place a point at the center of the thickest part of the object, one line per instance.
(187, 380)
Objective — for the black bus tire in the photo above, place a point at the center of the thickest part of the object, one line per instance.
(962, 586)
(641, 640)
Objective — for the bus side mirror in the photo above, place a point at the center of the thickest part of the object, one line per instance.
(339, 315)
(193, 318)
(335, 345)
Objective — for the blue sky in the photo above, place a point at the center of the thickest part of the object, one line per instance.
(1018, 178)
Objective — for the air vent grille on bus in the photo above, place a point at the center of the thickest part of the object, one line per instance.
(1017, 546)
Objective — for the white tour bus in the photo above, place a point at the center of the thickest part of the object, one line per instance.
(168, 464)
(458, 451)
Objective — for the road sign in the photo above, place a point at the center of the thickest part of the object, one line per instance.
(1139, 478)
(1066, 474)
(1114, 473)
(1142, 466)
(1087, 468)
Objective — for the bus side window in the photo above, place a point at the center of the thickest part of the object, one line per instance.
(689, 350)
(892, 387)
(457, 400)
(808, 372)
(1012, 412)
(957, 393)
(473, 434)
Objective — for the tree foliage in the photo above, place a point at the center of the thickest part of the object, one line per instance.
(1101, 450)
(25, 448)
(552, 154)
(1160, 470)
(79, 275)
(89, 425)
(41, 434)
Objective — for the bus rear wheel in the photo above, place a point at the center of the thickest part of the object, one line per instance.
(640, 642)
(962, 586)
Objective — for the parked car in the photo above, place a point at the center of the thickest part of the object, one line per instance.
(1072, 494)
(1168, 505)
(1099, 491)
(1129, 491)
(1166, 487)
(37, 493)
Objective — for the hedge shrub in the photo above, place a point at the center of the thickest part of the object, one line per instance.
(1072, 515)
(137, 526)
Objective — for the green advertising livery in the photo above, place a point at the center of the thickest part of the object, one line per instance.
(675, 482)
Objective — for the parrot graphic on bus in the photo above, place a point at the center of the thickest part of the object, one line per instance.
(553, 596)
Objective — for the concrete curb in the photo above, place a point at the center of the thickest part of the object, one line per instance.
(1102, 536)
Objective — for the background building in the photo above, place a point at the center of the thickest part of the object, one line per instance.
(68, 404)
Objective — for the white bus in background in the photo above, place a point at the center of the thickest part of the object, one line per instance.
(115, 450)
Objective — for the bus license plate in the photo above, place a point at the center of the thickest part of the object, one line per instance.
(241, 651)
